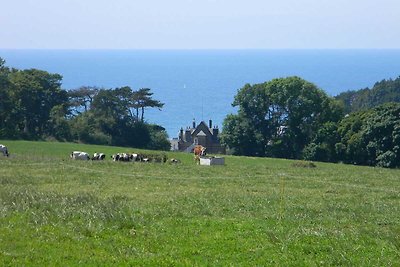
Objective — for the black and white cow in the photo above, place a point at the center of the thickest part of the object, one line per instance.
(133, 157)
(98, 156)
(115, 157)
(121, 157)
(136, 157)
(79, 155)
(4, 150)
(174, 161)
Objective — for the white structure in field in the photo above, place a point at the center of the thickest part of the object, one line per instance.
(212, 161)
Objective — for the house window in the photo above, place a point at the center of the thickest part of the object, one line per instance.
(196, 141)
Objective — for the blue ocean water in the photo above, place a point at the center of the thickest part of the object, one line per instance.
(201, 84)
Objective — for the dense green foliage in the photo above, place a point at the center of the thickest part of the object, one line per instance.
(28, 98)
(278, 118)
(371, 137)
(34, 106)
(382, 92)
(103, 116)
(368, 137)
(251, 212)
(291, 118)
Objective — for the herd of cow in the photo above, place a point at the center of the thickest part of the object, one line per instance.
(125, 157)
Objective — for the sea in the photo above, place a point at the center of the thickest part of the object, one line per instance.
(200, 85)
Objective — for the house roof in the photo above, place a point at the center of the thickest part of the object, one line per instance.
(202, 127)
(201, 133)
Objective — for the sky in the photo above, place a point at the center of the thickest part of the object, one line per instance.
(199, 24)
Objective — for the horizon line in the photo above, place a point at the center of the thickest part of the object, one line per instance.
(197, 49)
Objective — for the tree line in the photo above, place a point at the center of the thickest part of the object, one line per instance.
(285, 117)
(34, 106)
(292, 118)
(382, 92)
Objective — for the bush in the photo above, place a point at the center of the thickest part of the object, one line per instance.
(99, 138)
(387, 160)
(158, 138)
(316, 152)
(304, 164)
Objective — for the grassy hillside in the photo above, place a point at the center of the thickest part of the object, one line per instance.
(253, 211)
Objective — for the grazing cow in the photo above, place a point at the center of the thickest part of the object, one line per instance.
(134, 157)
(198, 152)
(98, 156)
(79, 155)
(115, 157)
(174, 161)
(125, 157)
(137, 157)
(121, 157)
(4, 150)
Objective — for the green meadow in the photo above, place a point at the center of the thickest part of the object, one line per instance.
(250, 212)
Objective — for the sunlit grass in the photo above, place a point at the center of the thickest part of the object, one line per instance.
(253, 211)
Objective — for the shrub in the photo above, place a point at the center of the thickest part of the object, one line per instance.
(304, 164)
(316, 152)
(387, 159)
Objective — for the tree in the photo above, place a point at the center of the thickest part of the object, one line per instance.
(142, 99)
(5, 101)
(382, 92)
(371, 137)
(80, 99)
(109, 113)
(350, 149)
(33, 106)
(158, 138)
(34, 93)
(242, 137)
(58, 125)
(323, 145)
(110, 119)
(278, 118)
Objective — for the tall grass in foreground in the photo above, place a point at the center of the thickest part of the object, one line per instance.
(253, 211)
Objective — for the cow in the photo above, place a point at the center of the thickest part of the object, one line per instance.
(4, 150)
(115, 157)
(174, 161)
(199, 151)
(98, 156)
(121, 157)
(79, 155)
(134, 157)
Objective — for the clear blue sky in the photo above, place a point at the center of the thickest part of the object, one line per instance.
(204, 24)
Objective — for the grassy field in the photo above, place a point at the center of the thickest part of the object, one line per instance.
(252, 211)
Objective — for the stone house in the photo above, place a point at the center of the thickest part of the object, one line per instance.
(201, 134)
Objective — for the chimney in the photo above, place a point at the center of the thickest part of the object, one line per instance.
(181, 134)
(188, 135)
(210, 124)
(215, 133)
(194, 123)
